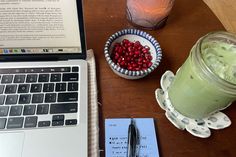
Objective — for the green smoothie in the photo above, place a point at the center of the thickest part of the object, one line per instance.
(221, 59)
(196, 95)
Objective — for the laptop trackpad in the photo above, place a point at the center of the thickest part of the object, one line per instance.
(11, 144)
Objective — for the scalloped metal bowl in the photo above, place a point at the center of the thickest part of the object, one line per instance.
(133, 35)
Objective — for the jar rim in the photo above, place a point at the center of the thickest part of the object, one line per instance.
(208, 73)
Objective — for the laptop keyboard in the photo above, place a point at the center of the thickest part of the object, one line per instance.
(38, 97)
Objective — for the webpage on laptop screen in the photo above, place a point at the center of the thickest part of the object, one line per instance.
(39, 26)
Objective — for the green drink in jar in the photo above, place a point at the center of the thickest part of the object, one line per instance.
(206, 82)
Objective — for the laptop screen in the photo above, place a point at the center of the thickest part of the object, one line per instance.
(39, 27)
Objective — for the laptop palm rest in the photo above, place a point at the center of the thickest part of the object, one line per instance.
(11, 144)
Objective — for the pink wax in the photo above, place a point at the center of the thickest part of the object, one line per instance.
(148, 13)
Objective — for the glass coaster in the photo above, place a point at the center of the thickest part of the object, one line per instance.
(197, 127)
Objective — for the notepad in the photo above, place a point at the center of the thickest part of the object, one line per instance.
(116, 135)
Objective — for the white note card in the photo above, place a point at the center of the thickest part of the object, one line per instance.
(116, 134)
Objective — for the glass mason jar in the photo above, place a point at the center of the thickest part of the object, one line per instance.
(206, 82)
(149, 14)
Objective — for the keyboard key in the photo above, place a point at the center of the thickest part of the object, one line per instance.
(29, 109)
(71, 121)
(41, 70)
(17, 70)
(16, 122)
(37, 98)
(57, 123)
(2, 98)
(12, 70)
(16, 110)
(43, 109)
(31, 70)
(54, 69)
(75, 69)
(2, 88)
(55, 78)
(23, 88)
(58, 117)
(7, 71)
(10, 89)
(70, 77)
(24, 99)
(11, 99)
(73, 86)
(44, 123)
(30, 122)
(43, 78)
(19, 79)
(63, 108)
(63, 69)
(60, 103)
(48, 87)
(50, 97)
(7, 79)
(31, 78)
(36, 88)
(66, 97)
(60, 87)
(4, 111)
(35, 70)
(3, 123)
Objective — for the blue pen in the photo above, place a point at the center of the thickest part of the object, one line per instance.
(132, 139)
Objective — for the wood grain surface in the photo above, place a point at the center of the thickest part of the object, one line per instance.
(188, 21)
(225, 10)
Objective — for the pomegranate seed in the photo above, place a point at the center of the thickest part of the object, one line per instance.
(130, 67)
(137, 52)
(149, 64)
(131, 55)
(137, 43)
(122, 63)
(126, 41)
(140, 60)
(134, 65)
(147, 47)
(116, 57)
(149, 57)
(130, 44)
(140, 63)
(145, 51)
(119, 60)
(139, 48)
(117, 48)
(130, 49)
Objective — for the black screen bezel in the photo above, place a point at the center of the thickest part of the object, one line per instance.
(54, 56)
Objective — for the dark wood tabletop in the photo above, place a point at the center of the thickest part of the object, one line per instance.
(188, 21)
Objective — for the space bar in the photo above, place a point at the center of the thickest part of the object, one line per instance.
(64, 108)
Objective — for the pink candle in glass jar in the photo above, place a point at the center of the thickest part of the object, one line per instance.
(150, 14)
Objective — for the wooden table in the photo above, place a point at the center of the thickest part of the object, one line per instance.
(189, 20)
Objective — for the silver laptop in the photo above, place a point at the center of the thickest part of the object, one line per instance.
(43, 79)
